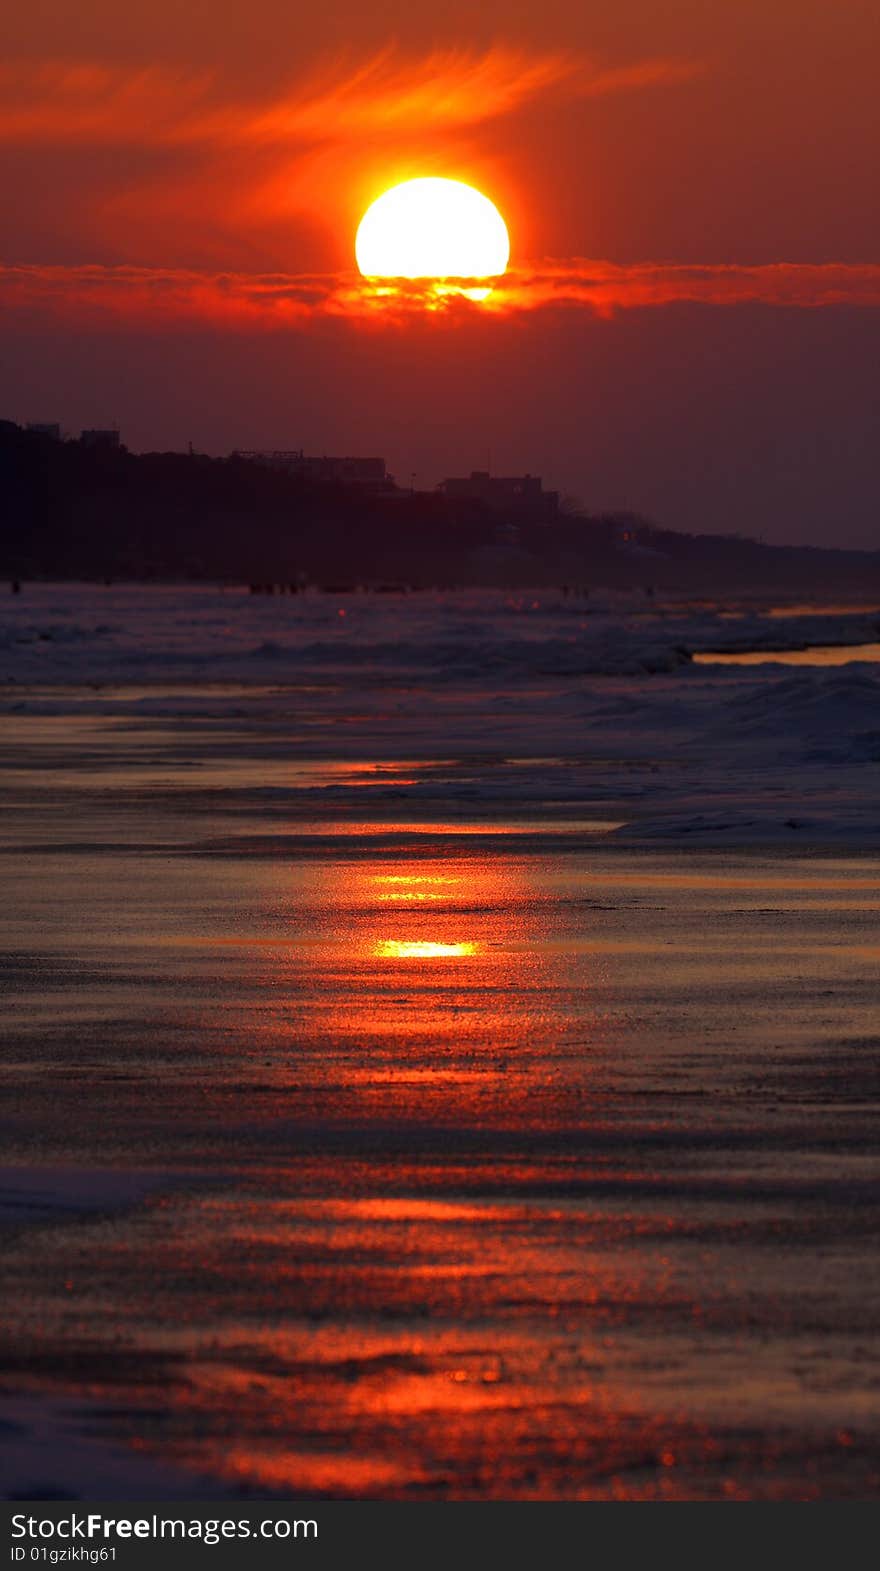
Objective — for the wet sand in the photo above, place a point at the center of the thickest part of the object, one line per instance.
(359, 1149)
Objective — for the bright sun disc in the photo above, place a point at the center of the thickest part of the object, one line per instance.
(432, 228)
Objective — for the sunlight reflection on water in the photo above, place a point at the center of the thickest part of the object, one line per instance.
(815, 655)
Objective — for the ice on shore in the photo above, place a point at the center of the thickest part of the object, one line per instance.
(597, 701)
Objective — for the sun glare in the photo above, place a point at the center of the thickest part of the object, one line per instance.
(433, 229)
(421, 949)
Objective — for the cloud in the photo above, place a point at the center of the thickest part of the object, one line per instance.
(173, 165)
(445, 89)
(606, 287)
(390, 92)
(92, 295)
(153, 297)
(93, 103)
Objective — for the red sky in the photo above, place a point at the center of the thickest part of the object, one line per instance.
(692, 325)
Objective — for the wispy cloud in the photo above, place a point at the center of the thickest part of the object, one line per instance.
(93, 103)
(390, 92)
(211, 173)
(156, 297)
(447, 88)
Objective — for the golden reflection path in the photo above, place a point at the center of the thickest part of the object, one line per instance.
(809, 655)
(422, 949)
(490, 1222)
(408, 971)
(455, 1013)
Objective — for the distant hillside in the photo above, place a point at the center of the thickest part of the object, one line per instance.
(73, 511)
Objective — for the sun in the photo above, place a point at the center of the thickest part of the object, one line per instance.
(433, 229)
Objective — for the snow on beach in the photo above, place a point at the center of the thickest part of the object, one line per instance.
(548, 699)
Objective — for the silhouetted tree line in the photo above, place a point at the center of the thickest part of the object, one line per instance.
(73, 511)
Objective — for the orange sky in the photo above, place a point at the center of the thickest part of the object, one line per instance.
(203, 173)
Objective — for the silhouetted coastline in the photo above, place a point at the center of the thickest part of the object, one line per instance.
(79, 511)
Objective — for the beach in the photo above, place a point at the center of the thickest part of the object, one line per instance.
(441, 1049)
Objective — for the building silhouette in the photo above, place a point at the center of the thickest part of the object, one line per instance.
(369, 474)
(521, 497)
(96, 437)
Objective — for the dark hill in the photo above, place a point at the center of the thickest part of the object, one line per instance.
(74, 511)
